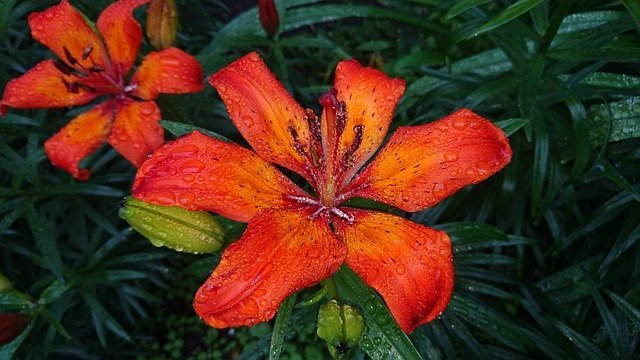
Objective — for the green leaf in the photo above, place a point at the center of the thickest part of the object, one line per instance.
(507, 15)
(43, 234)
(280, 327)
(510, 126)
(180, 129)
(382, 338)
(633, 6)
(587, 348)
(489, 322)
(612, 81)
(631, 311)
(614, 121)
(462, 6)
(624, 55)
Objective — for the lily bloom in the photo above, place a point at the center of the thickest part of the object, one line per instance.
(92, 64)
(295, 238)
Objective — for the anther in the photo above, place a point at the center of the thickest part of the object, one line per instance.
(296, 141)
(69, 57)
(87, 51)
(314, 125)
(62, 67)
(341, 117)
(347, 161)
(343, 215)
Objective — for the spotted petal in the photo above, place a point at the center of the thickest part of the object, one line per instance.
(121, 32)
(169, 71)
(421, 165)
(410, 265)
(65, 31)
(45, 86)
(371, 98)
(201, 173)
(263, 111)
(136, 131)
(79, 138)
(282, 251)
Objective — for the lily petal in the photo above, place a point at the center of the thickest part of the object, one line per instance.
(65, 31)
(263, 111)
(370, 97)
(198, 172)
(410, 265)
(136, 131)
(121, 32)
(421, 165)
(44, 86)
(168, 71)
(282, 251)
(79, 138)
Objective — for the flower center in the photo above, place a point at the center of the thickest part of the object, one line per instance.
(80, 74)
(325, 158)
(322, 209)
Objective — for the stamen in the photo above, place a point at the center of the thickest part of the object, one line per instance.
(314, 125)
(304, 200)
(296, 141)
(131, 87)
(69, 57)
(343, 215)
(62, 67)
(87, 51)
(341, 118)
(71, 87)
(347, 161)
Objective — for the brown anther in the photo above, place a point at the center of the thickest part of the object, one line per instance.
(296, 141)
(86, 88)
(69, 57)
(314, 125)
(62, 67)
(341, 117)
(87, 51)
(347, 161)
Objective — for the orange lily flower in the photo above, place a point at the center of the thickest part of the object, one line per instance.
(93, 64)
(295, 239)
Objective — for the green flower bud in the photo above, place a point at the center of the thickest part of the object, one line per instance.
(162, 23)
(172, 226)
(341, 326)
(5, 284)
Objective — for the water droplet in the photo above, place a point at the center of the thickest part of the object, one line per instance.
(192, 166)
(483, 168)
(471, 173)
(189, 178)
(451, 155)
(184, 150)
(186, 198)
(247, 120)
(439, 189)
(161, 198)
(460, 123)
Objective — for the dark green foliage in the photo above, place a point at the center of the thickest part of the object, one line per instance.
(546, 252)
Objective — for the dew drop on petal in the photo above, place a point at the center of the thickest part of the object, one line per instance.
(186, 198)
(460, 123)
(451, 155)
(439, 189)
(192, 166)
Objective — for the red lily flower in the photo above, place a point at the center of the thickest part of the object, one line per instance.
(295, 239)
(90, 67)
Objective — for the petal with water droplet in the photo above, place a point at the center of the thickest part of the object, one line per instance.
(65, 31)
(419, 165)
(371, 98)
(136, 131)
(263, 111)
(168, 71)
(224, 177)
(79, 138)
(380, 244)
(121, 32)
(43, 86)
(268, 262)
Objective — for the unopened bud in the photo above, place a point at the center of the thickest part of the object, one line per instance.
(12, 325)
(5, 284)
(268, 16)
(341, 326)
(162, 23)
(173, 227)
